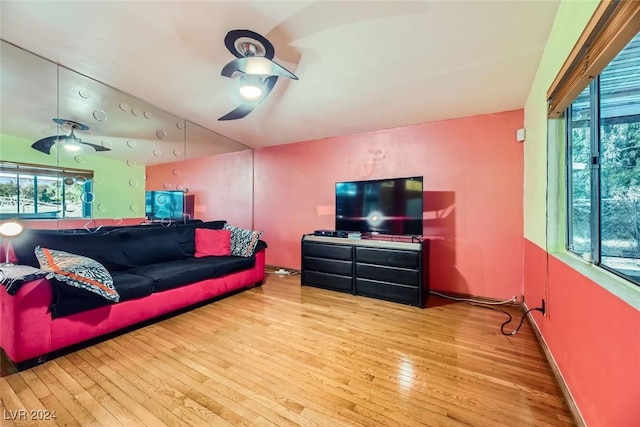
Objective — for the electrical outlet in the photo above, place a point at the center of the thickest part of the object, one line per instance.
(544, 307)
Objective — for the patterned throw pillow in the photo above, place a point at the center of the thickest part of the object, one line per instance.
(243, 242)
(78, 271)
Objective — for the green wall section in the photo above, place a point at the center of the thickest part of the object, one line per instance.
(118, 188)
(570, 21)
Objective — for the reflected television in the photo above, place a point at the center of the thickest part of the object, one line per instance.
(384, 206)
(164, 205)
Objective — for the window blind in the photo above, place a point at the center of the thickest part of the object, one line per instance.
(32, 169)
(613, 24)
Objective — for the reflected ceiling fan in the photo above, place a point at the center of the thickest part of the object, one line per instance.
(70, 142)
(255, 67)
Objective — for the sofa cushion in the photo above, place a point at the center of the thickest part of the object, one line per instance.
(117, 248)
(68, 300)
(145, 246)
(243, 242)
(211, 225)
(98, 246)
(78, 271)
(212, 242)
(171, 274)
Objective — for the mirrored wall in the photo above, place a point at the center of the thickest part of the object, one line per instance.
(76, 151)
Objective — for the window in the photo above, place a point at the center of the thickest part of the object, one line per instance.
(603, 167)
(43, 192)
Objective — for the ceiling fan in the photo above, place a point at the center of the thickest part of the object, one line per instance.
(255, 67)
(70, 142)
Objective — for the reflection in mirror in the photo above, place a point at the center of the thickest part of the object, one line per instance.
(120, 136)
(28, 91)
(104, 157)
(217, 177)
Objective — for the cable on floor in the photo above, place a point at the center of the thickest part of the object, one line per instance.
(507, 301)
(278, 271)
(488, 305)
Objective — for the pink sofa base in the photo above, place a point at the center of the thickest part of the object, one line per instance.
(27, 330)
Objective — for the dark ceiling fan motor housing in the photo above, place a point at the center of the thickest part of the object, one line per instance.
(254, 63)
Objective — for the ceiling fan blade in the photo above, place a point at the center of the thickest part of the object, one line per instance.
(268, 85)
(44, 145)
(241, 111)
(96, 146)
(248, 106)
(257, 65)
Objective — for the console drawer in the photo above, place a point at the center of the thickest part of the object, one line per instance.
(388, 274)
(321, 250)
(327, 281)
(387, 291)
(344, 268)
(393, 258)
(388, 270)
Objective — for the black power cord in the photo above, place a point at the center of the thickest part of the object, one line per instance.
(510, 318)
(490, 306)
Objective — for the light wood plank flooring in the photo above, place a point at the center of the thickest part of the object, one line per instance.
(285, 355)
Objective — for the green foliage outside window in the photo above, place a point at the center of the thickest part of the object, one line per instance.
(603, 167)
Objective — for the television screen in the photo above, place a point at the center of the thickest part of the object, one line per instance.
(164, 205)
(386, 206)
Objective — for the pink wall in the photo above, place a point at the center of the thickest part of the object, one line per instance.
(473, 183)
(222, 185)
(594, 338)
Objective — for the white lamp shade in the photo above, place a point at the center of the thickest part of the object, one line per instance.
(72, 145)
(250, 92)
(10, 229)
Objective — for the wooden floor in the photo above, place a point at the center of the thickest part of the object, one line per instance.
(286, 355)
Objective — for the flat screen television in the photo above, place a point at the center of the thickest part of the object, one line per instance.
(164, 205)
(384, 206)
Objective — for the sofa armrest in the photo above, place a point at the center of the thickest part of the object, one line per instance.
(259, 267)
(25, 322)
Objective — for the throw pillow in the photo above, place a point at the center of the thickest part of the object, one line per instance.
(78, 271)
(212, 242)
(243, 242)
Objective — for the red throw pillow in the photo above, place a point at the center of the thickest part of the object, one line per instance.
(212, 242)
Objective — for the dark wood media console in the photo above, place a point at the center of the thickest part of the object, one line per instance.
(392, 271)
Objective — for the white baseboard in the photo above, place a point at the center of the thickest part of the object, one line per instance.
(568, 397)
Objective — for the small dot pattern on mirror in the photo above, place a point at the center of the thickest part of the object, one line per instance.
(100, 115)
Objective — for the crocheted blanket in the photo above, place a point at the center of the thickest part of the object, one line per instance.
(14, 276)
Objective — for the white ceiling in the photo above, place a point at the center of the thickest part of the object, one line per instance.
(362, 65)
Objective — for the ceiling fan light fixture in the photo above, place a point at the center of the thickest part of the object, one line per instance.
(70, 142)
(255, 66)
(250, 87)
(250, 91)
(72, 145)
